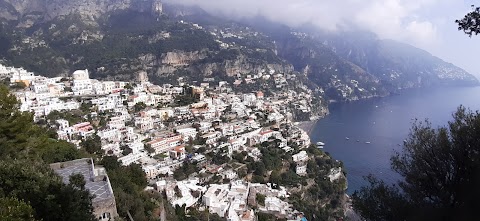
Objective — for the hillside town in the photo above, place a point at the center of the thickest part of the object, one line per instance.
(197, 143)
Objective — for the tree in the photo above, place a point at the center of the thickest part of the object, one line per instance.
(13, 209)
(19, 85)
(259, 168)
(86, 106)
(128, 87)
(126, 150)
(78, 181)
(139, 106)
(128, 183)
(260, 198)
(21, 138)
(92, 145)
(149, 148)
(441, 172)
(178, 192)
(36, 184)
(470, 24)
(275, 177)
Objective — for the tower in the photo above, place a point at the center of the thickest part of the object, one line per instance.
(142, 77)
(157, 7)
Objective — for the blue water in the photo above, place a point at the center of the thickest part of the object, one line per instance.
(385, 122)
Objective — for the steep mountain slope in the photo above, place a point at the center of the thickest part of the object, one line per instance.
(340, 78)
(116, 39)
(396, 64)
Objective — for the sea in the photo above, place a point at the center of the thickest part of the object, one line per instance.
(364, 134)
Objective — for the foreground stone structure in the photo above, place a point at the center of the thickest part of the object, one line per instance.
(96, 181)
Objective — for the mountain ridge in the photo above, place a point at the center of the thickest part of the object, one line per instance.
(118, 39)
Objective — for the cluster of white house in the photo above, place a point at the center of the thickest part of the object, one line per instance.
(168, 130)
(233, 201)
(44, 97)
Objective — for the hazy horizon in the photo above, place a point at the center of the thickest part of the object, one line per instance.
(426, 24)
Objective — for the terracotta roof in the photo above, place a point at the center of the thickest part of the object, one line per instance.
(156, 141)
(180, 148)
(266, 132)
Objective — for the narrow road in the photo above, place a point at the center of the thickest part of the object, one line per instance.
(163, 216)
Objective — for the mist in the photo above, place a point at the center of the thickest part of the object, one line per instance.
(427, 24)
(387, 18)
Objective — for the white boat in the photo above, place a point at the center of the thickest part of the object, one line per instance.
(368, 142)
(346, 138)
(319, 143)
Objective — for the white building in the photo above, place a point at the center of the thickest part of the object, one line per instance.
(131, 158)
(82, 85)
(302, 156)
(116, 122)
(144, 122)
(81, 75)
(62, 124)
(20, 75)
(186, 188)
(187, 133)
(335, 174)
(112, 134)
(301, 169)
(216, 199)
(276, 205)
(163, 145)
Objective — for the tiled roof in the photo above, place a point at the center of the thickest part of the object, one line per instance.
(99, 188)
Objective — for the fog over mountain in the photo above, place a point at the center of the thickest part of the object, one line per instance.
(428, 24)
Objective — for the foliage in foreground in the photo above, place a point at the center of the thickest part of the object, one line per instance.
(29, 189)
(441, 174)
(470, 23)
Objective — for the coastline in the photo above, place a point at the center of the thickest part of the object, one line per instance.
(307, 126)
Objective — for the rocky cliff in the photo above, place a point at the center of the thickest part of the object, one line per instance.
(180, 58)
(395, 64)
(117, 38)
(30, 12)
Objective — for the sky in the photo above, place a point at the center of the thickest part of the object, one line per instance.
(427, 24)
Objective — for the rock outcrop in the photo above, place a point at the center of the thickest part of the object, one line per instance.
(45, 10)
(180, 58)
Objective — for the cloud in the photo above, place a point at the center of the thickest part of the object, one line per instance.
(428, 24)
(394, 19)
(423, 32)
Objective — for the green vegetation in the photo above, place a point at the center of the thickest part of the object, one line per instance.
(14, 209)
(185, 170)
(268, 217)
(32, 191)
(93, 145)
(260, 199)
(20, 138)
(18, 85)
(194, 215)
(314, 194)
(28, 186)
(128, 184)
(470, 23)
(184, 100)
(127, 35)
(73, 117)
(440, 169)
(322, 199)
(139, 106)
